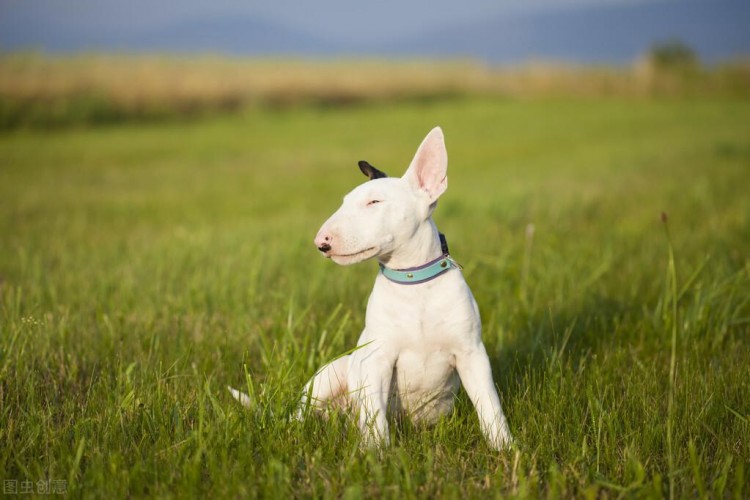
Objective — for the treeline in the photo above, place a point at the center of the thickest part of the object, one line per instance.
(44, 91)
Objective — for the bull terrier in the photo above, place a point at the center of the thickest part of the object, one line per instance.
(423, 336)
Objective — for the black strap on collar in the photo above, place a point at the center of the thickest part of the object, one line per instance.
(443, 244)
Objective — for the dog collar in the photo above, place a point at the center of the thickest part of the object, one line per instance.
(425, 272)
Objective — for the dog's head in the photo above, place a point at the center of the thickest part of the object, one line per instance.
(383, 213)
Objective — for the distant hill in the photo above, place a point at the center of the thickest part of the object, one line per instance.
(604, 33)
(233, 35)
(229, 35)
(716, 29)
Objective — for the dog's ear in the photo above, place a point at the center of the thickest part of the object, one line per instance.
(428, 171)
(370, 171)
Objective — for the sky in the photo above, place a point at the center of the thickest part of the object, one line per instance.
(368, 21)
(480, 28)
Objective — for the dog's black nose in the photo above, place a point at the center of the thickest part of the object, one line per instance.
(325, 247)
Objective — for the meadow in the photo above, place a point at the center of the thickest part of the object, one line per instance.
(145, 266)
(48, 92)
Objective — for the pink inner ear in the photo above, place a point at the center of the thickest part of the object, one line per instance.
(431, 169)
(428, 174)
(428, 170)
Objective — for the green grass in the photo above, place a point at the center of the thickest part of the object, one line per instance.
(145, 267)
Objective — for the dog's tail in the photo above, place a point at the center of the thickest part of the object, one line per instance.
(240, 396)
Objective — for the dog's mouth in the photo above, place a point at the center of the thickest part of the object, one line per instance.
(352, 258)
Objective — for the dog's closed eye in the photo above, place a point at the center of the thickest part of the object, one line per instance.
(372, 202)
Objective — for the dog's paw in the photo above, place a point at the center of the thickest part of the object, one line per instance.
(370, 441)
(503, 441)
(373, 438)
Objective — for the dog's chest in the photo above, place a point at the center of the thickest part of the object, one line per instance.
(434, 317)
(424, 384)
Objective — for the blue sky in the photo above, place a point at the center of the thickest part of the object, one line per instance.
(507, 31)
(339, 19)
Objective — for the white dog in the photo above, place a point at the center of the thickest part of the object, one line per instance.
(422, 328)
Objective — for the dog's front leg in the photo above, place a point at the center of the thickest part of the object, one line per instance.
(370, 376)
(476, 376)
(328, 384)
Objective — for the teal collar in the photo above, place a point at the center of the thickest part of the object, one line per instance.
(425, 272)
(421, 274)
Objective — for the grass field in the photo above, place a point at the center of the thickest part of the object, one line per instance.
(49, 92)
(144, 267)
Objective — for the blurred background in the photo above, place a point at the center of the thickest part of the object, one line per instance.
(102, 61)
(164, 167)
